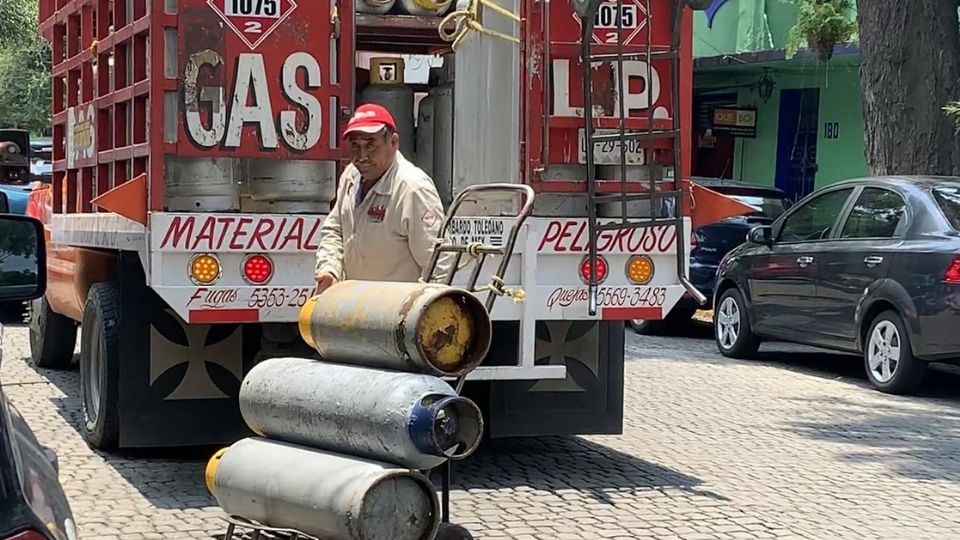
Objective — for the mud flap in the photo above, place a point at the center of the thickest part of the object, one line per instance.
(179, 383)
(589, 401)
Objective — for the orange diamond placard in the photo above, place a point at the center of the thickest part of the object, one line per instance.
(253, 20)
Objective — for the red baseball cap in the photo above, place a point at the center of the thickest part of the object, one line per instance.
(370, 118)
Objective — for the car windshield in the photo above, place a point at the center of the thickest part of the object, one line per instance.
(948, 198)
(767, 204)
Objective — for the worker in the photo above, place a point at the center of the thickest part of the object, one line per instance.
(386, 218)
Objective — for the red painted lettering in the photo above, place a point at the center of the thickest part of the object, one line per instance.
(224, 227)
(573, 236)
(180, 230)
(206, 233)
(240, 232)
(276, 240)
(551, 234)
(295, 234)
(263, 228)
(309, 243)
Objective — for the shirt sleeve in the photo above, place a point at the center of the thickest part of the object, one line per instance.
(422, 216)
(330, 252)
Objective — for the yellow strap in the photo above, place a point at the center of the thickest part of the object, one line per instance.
(469, 19)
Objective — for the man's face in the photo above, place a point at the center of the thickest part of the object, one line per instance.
(372, 154)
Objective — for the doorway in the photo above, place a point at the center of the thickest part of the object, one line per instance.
(797, 141)
(713, 154)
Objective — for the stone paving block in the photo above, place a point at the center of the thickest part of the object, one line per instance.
(792, 445)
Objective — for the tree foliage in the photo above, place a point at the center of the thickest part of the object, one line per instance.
(24, 69)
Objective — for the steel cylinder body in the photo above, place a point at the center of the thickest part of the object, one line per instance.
(327, 495)
(409, 419)
(443, 131)
(426, 8)
(387, 89)
(375, 7)
(414, 327)
(425, 134)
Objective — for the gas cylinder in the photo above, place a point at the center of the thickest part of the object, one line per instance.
(443, 130)
(425, 128)
(426, 8)
(323, 494)
(409, 419)
(413, 327)
(376, 7)
(387, 88)
(287, 185)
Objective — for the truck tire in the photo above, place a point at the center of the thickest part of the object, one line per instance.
(100, 366)
(53, 336)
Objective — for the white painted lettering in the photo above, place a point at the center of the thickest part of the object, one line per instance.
(211, 95)
(251, 74)
(296, 139)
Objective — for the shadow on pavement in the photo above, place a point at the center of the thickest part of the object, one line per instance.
(915, 439)
(563, 463)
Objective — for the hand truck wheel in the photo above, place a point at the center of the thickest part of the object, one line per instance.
(449, 531)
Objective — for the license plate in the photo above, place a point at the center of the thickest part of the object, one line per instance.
(608, 152)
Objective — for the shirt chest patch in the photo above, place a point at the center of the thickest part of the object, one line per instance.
(377, 212)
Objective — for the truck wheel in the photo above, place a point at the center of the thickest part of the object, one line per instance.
(52, 336)
(888, 358)
(449, 531)
(100, 366)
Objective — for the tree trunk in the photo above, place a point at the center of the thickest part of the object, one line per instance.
(909, 70)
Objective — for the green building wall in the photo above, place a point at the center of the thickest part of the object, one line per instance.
(742, 27)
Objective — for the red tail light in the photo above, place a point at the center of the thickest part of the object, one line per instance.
(29, 535)
(257, 269)
(600, 271)
(952, 274)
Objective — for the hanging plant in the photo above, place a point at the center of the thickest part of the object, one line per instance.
(821, 24)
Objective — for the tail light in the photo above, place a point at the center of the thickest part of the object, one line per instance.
(640, 269)
(257, 269)
(204, 268)
(952, 275)
(28, 535)
(600, 271)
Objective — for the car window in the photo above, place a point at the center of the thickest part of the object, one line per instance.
(876, 214)
(948, 198)
(771, 207)
(814, 220)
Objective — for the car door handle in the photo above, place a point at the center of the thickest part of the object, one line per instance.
(873, 261)
(804, 261)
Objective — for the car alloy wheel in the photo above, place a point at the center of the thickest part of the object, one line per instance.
(728, 323)
(883, 353)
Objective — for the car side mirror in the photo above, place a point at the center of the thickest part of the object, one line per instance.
(762, 235)
(23, 261)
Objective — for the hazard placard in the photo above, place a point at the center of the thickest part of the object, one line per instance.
(631, 15)
(253, 20)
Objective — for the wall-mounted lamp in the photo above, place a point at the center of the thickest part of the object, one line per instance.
(765, 86)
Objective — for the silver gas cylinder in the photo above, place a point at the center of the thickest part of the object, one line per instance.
(409, 419)
(387, 89)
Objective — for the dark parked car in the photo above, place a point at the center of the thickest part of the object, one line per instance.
(868, 266)
(32, 503)
(712, 242)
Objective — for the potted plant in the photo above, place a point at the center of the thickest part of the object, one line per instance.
(822, 24)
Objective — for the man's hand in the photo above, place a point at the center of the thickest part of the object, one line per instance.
(324, 282)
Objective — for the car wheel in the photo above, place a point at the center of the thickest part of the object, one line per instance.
(888, 358)
(673, 319)
(731, 327)
(52, 336)
(100, 366)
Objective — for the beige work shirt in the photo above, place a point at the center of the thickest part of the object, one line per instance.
(390, 234)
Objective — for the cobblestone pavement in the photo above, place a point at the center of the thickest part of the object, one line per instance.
(794, 445)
